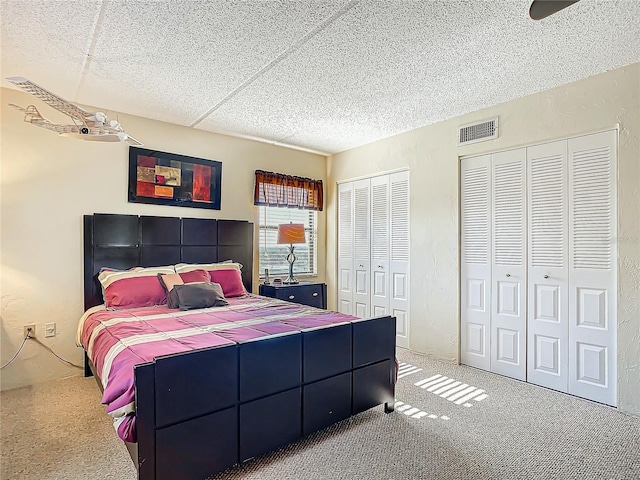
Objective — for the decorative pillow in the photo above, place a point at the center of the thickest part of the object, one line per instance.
(169, 281)
(226, 265)
(137, 287)
(230, 281)
(197, 295)
(195, 276)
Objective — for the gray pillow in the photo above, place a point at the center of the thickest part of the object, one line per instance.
(197, 295)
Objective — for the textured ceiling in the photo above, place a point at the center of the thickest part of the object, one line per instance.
(324, 76)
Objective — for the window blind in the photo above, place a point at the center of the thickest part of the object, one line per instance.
(274, 256)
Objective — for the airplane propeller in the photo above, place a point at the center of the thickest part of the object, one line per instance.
(98, 117)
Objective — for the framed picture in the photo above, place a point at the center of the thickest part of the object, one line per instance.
(170, 179)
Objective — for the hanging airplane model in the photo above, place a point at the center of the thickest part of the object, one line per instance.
(86, 125)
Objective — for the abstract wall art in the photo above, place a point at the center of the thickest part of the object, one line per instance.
(170, 179)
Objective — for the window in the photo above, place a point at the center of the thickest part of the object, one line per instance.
(274, 256)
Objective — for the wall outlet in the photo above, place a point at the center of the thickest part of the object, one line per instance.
(49, 330)
(31, 333)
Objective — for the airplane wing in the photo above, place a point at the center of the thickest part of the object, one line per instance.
(50, 99)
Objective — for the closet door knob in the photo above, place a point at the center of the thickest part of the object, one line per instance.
(508, 274)
(291, 297)
(379, 266)
(546, 276)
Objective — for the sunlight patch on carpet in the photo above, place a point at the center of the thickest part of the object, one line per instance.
(452, 390)
(415, 412)
(405, 369)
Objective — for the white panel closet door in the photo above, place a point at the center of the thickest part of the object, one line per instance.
(548, 306)
(399, 255)
(380, 245)
(475, 309)
(361, 246)
(345, 248)
(592, 274)
(509, 255)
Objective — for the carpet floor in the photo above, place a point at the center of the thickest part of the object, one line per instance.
(451, 422)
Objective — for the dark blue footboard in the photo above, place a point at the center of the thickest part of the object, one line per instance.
(201, 412)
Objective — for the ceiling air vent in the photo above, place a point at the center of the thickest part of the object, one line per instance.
(478, 132)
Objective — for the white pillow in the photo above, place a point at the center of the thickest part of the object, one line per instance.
(189, 267)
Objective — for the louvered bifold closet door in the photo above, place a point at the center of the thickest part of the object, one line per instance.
(361, 247)
(548, 307)
(399, 270)
(592, 269)
(345, 248)
(380, 244)
(475, 261)
(509, 259)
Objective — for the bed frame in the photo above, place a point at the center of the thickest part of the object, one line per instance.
(201, 412)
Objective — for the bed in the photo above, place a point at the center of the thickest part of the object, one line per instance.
(201, 411)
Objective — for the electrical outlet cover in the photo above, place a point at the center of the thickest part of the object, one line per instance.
(33, 330)
(49, 329)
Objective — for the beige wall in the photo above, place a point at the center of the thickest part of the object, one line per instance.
(432, 156)
(48, 182)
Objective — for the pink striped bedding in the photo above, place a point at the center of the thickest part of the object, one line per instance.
(116, 340)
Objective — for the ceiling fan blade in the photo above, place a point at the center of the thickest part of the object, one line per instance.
(543, 8)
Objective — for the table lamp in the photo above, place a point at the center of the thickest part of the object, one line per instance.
(290, 233)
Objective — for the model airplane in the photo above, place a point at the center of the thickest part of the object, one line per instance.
(86, 125)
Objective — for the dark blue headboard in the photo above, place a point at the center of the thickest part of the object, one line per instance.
(125, 241)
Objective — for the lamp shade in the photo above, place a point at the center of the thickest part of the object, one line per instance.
(291, 233)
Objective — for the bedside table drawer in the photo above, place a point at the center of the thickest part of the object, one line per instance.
(311, 295)
(306, 293)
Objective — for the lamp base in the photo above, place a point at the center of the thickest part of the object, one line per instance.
(291, 258)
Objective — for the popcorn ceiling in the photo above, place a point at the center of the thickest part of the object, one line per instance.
(321, 75)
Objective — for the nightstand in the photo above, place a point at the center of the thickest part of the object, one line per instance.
(307, 293)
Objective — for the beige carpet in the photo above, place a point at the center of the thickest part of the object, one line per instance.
(59, 430)
(494, 428)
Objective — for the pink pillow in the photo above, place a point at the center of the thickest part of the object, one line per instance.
(134, 292)
(230, 281)
(195, 276)
(136, 287)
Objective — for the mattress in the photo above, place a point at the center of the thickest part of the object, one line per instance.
(117, 340)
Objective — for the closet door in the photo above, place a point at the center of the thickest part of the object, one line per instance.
(345, 248)
(509, 259)
(380, 245)
(592, 274)
(399, 255)
(361, 246)
(548, 306)
(475, 261)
